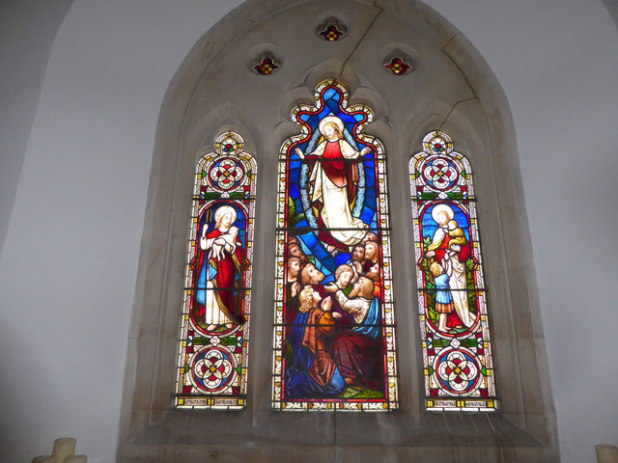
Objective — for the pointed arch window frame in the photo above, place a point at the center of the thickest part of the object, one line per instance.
(457, 358)
(202, 98)
(213, 363)
(327, 93)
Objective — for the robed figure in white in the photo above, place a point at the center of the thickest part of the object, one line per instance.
(333, 187)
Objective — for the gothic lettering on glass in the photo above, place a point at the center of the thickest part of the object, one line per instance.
(451, 292)
(334, 326)
(212, 364)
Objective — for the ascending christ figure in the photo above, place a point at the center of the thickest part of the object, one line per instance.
(333, 184)
(220, 269)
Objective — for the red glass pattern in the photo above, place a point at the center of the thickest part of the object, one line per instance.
(331, 33)
(266, 66)
(397, 66)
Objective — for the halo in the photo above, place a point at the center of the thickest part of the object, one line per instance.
(442, 209)
(225, 210)
(331, 120)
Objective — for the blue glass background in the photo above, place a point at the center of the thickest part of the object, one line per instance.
(240, 223)
(366, 199)
(429, 226)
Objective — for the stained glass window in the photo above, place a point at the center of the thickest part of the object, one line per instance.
(212, 363)
(334, 337)
(451, 291)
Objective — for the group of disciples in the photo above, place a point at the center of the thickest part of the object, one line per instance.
(333, 330)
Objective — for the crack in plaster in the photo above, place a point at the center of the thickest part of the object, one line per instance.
(357, 45)
(464, 77)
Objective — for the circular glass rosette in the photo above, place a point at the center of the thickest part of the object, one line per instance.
(437, 143)
(457, 371)
(440, 173)
(226, 174)
(212, 369)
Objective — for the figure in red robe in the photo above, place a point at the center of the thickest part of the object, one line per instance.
(220, 272)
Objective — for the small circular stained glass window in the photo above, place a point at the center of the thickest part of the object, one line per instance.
(266, 64)
(399, 63)
(331, 30)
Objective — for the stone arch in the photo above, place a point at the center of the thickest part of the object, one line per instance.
(452, 89)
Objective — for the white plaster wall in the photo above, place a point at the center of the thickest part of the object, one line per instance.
(69, 263)
(27, 31)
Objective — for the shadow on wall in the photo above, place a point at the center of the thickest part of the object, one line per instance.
(28, 30)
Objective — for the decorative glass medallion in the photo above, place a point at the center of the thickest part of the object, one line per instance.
(451, 292)
(334, 331)
(212, 363)
(266, 64)
(399, 63)
(331, 30)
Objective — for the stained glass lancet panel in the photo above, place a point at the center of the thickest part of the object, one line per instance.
(212, 363)
(451, 291)
(334, 337)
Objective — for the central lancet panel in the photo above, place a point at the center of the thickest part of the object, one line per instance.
(334, 336)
